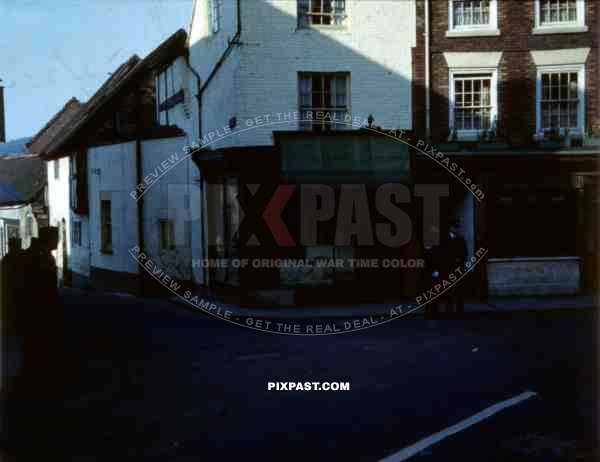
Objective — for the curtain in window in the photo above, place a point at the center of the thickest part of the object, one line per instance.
(558, 11)
(471, 12)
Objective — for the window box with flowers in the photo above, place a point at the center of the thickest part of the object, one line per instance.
(491, 140)
(560, 101)
(559, 139)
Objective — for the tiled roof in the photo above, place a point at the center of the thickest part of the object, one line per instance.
(174, 45)
(22, 178)
(90, 108)
(57, 123)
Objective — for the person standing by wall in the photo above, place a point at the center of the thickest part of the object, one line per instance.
(44, 323)
(40, 325)
(456, 251)
(12, 292)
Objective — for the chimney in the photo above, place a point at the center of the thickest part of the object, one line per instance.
(2, 123)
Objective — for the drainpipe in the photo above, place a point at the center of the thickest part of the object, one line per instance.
(427, 76)
(199, 127)
(203, 234)
(2, 122)
(201, 88)
(198, 97)
(140, 210)
(233, 42)
(139, 179)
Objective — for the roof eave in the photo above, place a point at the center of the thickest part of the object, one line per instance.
(174, 46)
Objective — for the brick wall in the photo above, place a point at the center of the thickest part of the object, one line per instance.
(418, 72)
(517, 72)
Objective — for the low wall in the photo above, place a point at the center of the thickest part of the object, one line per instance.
(534, 276)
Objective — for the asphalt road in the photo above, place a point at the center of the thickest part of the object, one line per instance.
(152, 381)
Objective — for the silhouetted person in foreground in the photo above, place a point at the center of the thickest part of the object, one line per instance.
(13, 284)
(13, 288)
(456, 252)
(34, 397)
(13, 292)
(42, 318)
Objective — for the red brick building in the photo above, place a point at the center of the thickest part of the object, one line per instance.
(514, 103)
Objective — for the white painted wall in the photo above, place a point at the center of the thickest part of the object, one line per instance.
(58, 192)
(59, 204)
(221, 101)
(168, 198)
(8, 215)
(112, 169)
(59, 207)
(208, 46)
(80, 255)
(185, 116)
(182, 115)
(260, 77)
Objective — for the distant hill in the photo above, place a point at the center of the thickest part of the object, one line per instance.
(15, 147)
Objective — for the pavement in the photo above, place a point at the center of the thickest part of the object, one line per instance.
(493, 305)
(153, 383)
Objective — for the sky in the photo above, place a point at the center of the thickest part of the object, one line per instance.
(51, 50)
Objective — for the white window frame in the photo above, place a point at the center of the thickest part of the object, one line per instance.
(106, 239)
(302, 124)
(76, 231)
(560, 27)
(168, 241)
(73, 181)
(214, 15)
(29, 225)
(581, 110)
(165, 88)
(471, 135)
(345, 17)
(490, 29)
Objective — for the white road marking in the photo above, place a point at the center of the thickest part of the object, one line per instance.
(414, 449)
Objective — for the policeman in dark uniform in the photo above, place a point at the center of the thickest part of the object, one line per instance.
(456, 251)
